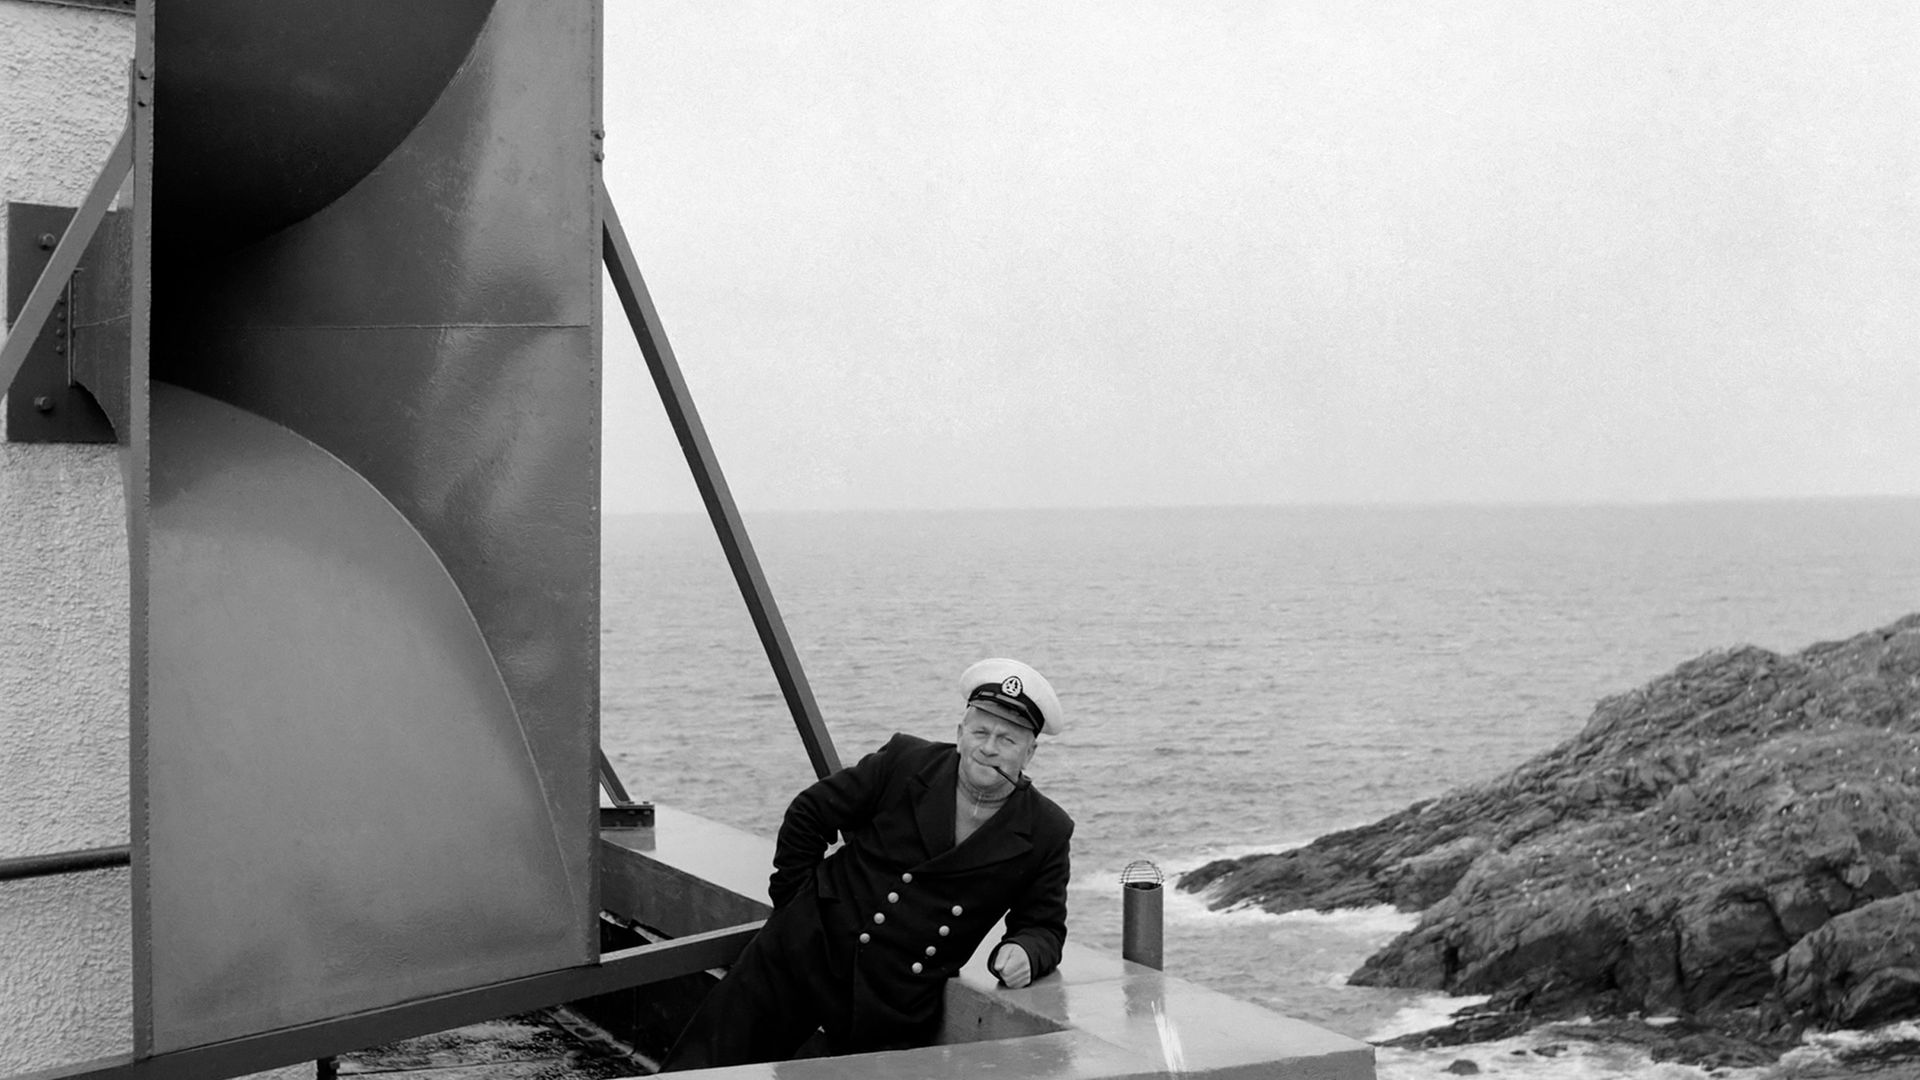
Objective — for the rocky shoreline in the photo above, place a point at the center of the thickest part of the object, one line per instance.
(1735, 845)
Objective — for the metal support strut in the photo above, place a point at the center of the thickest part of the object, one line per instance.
(625, 272)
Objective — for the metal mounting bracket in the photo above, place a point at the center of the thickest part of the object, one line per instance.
(54, 324)
(50, 401)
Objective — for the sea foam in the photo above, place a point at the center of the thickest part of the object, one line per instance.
(1519, 1058)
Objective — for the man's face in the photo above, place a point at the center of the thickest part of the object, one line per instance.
(985, 741)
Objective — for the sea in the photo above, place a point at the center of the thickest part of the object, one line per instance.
(1236, 679)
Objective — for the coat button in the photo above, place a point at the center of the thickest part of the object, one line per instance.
(865, 937)
(945, 930)
(958, 911)
(893, 898)
(916, 967)
(931, 950)
(906, 879)
(879, 917)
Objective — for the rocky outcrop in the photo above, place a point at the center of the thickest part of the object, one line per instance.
(1733, 843)
(1860, 969)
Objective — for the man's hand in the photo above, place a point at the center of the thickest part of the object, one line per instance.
(1016, 968)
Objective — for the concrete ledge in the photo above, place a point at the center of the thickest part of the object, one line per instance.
(1171, 1025)
(1097, 1016)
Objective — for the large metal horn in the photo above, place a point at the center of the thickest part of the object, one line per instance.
(364, 505)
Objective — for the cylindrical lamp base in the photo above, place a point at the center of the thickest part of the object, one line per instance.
(1141, 917)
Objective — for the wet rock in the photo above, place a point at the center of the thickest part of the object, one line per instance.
(1473, 1024)
(1423, 879)
(1667, 859)
(1859, 969)
(1463, 1067)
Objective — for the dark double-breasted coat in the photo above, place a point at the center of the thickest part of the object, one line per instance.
(862, 941)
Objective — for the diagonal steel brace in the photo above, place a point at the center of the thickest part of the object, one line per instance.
(66, 258)
(624, 271)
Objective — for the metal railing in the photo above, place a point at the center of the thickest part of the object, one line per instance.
(64, 862)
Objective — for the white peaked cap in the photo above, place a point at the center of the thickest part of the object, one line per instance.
(1015, 692)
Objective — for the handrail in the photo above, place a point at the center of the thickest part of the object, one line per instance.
(64, 862)
(620, 970)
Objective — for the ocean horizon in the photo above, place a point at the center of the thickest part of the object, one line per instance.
(699, 512)
(1239, 679)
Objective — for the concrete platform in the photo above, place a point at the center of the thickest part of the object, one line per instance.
(1098, 1016)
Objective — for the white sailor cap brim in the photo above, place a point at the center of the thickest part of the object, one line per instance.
(1013, 692)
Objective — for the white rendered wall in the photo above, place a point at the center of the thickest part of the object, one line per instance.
(64, 941)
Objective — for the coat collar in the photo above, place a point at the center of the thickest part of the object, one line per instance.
(1003, 836)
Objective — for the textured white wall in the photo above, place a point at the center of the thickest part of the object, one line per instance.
(64, 942)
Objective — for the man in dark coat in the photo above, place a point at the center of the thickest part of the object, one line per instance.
(942, 839)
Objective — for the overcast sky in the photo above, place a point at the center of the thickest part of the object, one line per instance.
(1079, 254)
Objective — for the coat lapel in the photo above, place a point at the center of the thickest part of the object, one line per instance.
(932, 795)
(1006, 835)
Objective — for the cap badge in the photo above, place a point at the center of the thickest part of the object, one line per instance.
(1011, 686)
